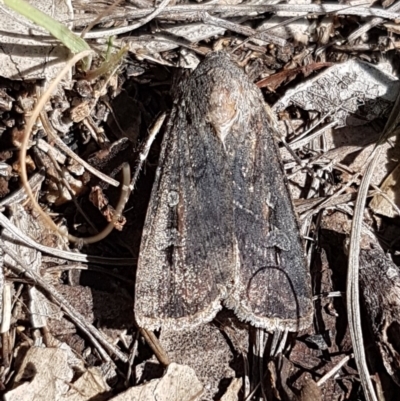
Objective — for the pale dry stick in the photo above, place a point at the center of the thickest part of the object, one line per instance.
(59, 253)
(257, 35)
(327, 201)
(131, 359)
(370, 24)
(94, 334)
(365, 47)
(120, 30)
(299, 143)
(330, 294)
(276, 338)
(282, 343)
(6, 306)
(310, 129)
(246, 376)
(53, 135)
(296, 158)
(188, 12)
(146, 148)
(45, 147)
(166, 37)
(335, 369)
(387, 198)
(281, 24)
(20, 195)
(259, 351)
(98, 19)
(242, 29)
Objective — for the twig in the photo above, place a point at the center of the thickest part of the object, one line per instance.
(99, 18)
(335, 369)
(370, 24)
(146, 148)
(300, 142)
(95, 335)
(108, 272)
(242, 29)
(155, 345)
(59, 253)
(20, 195)
(58, 141)
(189, 12)
(124, 29)
(131, 359)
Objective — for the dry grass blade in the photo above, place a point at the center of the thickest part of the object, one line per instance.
(353, 296)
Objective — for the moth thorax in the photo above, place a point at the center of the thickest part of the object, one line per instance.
(222, 112)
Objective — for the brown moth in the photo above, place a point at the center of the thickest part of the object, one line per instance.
(220, 226)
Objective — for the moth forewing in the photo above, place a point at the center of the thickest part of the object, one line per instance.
(220, 225)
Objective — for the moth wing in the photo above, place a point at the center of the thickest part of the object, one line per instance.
(273, 288)
(187, 249)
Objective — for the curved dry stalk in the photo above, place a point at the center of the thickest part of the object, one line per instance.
(24, 177)
(352, 291)
(24, 145)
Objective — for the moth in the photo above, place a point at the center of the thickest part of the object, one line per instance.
(220, 227)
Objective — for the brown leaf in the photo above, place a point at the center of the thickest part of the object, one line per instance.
(274, 81)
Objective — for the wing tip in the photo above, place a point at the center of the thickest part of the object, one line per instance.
(182, 323)
(271, 323)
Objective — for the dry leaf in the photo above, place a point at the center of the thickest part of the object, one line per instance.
(232, 393)
(274, 81)
(341, 89)
(27, 53)
(380, 204)
(89, 386)
(44, 374)
(178, 384)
